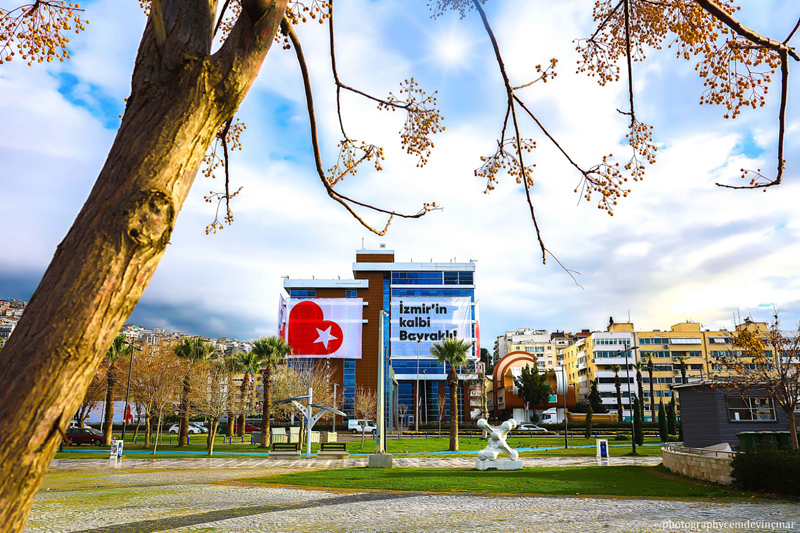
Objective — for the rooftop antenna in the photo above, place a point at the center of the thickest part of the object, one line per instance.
(362, 243)
(629, 316)
(382, 245)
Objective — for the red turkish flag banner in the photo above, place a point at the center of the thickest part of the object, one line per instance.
(325, 327)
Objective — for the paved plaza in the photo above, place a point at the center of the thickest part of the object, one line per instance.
(209, 495)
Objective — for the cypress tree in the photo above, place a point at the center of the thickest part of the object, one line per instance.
(662, 421)
(588, 431)
(671, 419)
(596, 400)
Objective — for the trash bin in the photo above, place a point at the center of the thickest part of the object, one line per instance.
(255, 437)
(750, 440)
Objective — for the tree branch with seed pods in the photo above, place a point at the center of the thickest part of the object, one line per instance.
(345, 201)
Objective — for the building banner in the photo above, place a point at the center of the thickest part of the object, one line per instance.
(281, 317)
(325, 327)
(418, 322)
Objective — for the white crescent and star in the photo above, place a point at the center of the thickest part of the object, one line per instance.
(325, 336)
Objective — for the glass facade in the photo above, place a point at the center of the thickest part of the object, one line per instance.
(429, 388)
(349, 392)
(431, 278)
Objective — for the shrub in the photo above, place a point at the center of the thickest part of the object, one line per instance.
(673, 438)
(768, 468)
(622, 437)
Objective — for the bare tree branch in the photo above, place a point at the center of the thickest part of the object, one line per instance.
(345, 201)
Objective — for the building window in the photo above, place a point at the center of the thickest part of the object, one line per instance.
(751, 409)
(350, 293)
(296, 293)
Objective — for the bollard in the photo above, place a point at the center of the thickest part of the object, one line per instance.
(188, 439)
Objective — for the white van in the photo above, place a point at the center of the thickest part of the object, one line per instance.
(357, 425)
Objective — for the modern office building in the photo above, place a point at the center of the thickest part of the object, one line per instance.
(392, 308)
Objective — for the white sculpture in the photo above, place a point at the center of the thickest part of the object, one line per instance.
(497, 440)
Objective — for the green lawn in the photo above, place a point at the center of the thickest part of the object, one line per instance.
(417, 446)
(635, 481)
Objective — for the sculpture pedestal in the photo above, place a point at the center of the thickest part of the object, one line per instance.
(504, 464)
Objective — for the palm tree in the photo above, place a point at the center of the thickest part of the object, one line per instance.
(453, 352)
(618, 385)
(249, 363)
(270, 351)
(650, 368)
(638, 365)
(119, 348)
(192, 351)
(682, 360)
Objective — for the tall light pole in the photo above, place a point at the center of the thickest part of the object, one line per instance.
(416, 400)
(628, 377)
(380, 445)
(128, 392)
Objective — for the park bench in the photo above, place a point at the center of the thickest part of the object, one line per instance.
(333, 450)
(284, 450)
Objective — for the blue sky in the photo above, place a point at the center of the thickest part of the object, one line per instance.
(678, 248)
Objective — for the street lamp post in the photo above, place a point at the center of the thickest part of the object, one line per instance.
(128, 392)
(628, 377)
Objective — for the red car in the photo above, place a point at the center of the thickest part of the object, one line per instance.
(248, 428)
(85, 435)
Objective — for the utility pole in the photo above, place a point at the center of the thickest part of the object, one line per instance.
(128, 392)
(416, 400)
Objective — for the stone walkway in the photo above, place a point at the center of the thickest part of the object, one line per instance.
(206, 495)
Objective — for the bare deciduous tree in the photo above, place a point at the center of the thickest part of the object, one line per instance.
(765, 360)
(210, 383)
(365, 406)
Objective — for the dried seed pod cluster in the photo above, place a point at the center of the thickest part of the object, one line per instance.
(37, 32)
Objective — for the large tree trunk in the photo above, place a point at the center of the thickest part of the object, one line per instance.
(652, 397)
(452, 381)
(183, 432)
(108, 418)
(792, 427)
(267, 407)
(180, 97)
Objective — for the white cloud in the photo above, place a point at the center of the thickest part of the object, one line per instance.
(677, 248)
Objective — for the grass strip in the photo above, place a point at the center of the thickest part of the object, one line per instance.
(633, 481)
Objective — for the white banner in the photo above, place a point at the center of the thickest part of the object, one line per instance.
(325, 327)
(418, 322)
(282, 317)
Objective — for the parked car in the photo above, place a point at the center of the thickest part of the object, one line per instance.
(85, 435)
(358, 425)
(193, 428)
(530, 427)
(248, 428)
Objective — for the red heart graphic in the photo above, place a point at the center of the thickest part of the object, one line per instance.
(307, 325)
